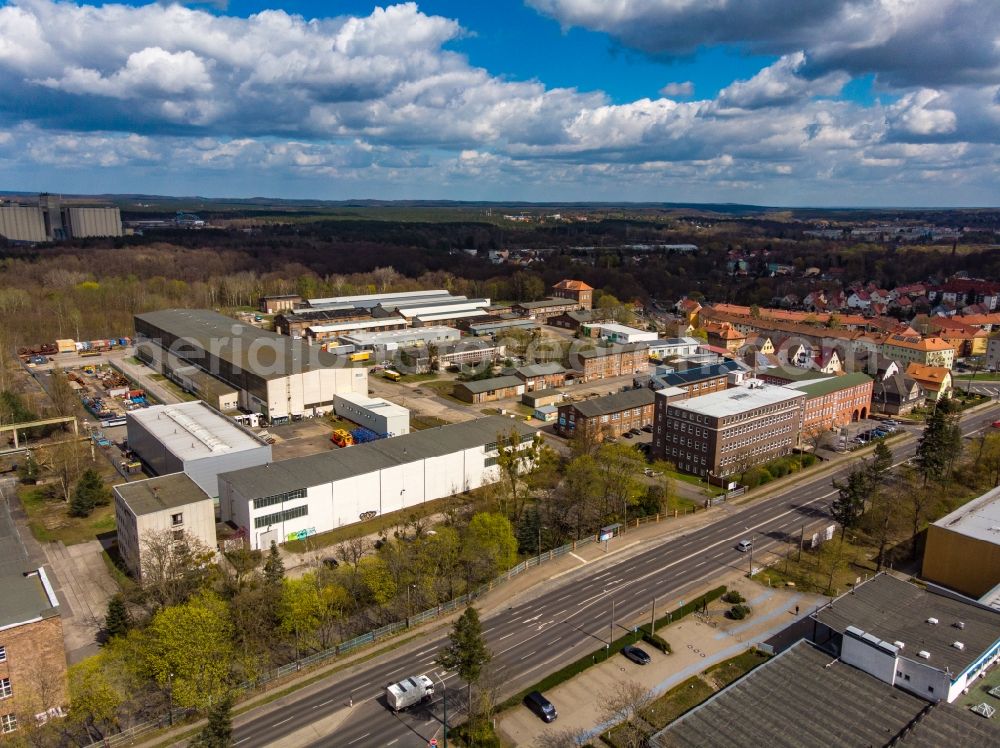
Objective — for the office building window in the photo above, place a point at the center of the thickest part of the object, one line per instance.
(8, 723)
(299, 493)
(278, 517)
(5, 690)
(3, 654)
(177, 519)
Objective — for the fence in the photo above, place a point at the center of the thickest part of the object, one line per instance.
(129, 735)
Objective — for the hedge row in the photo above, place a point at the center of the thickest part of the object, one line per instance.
(575, 668)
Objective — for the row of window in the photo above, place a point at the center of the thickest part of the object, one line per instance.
(280, 498)
(273, 519)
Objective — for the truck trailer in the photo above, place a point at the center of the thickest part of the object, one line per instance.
(417, 689)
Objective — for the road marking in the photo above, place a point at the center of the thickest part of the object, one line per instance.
(392, 742)
(351, 742)
(532, 620)
(241, 740)
(561, 612)
(528, 655)
(581, 560)
(282, 722)
(506, 635)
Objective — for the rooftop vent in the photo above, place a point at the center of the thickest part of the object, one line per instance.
(932, 621)
(924, 654)
(899, 645)
(960, 624)
(960, 646)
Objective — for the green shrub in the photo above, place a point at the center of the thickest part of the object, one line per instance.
(655, 640)
(739, 612)
(733, 596)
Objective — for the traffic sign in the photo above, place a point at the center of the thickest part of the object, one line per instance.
(433, 743)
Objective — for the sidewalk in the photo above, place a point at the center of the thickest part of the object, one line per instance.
(698, 643)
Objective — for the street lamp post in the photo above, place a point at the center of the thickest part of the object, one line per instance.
(408, 588)
(540, 528)
(170, 698)
(444, 717)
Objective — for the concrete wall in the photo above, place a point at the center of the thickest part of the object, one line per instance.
(84, 222)
(964, 564)
(198, 520)
(21, 223)
(151, 450)
(383, 418)
(205, 471)
(311, 393)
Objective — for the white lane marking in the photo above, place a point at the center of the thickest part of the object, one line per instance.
(351, 742)
(528, 655)
(561, 612)
(241, 740)
(506, 635)
(578, 558)
(276, 724)
(328, 701)
(392, 742)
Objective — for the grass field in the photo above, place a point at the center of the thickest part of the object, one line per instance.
(49, 520)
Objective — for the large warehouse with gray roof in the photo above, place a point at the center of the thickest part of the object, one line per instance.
(296, 498)
(276, 376)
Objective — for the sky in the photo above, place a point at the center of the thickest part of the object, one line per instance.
(769, 102)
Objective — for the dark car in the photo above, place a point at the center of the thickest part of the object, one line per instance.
(635, 432)
(648, 428)
(638, 656)
(628, 434)
(330, 563)
(540, 706)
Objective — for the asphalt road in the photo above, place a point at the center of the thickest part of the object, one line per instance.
(563, 621)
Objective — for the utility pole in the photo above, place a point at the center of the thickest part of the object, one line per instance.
(652, 618)
(802, 540)
(750, 575)
(611, 636)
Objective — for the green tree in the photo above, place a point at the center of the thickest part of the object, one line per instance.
(90, 492)
(489, 546)
(118, 621)
(620, 467)
(189, 649)
(515, 458)
(274, 567)
(300, 611)
(218, 731)
(94, 697)
(27, 471)
(466, 652)
(849, 505)
(940, 444)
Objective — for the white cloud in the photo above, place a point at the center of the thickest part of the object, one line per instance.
(905, 42)
(380, 100)
(682, 89)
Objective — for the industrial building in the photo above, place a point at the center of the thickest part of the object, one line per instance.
(674, 347)
(497, 327)
(615, 333)
(541, 376)
(726, 432)
(470, 351)
(963, 548)
(925, 641)
(192, 438)
(700, 380)
(370, 301)
(545, 309)
(318, 332)
(297, 498)
(165, 504)
(575, 320)
(374, 413)
(276, 376)
(279, 303)
(813, 699)
(454, 311)
(488, 390)
(32, 655)
(385, 344)
(295, 323)
(51, 220)
(608, 416)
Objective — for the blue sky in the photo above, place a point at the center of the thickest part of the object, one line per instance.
(820, 102)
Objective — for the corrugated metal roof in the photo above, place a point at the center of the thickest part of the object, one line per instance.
(248, 348)
(191, 431)
(479, 386)
(314, 470)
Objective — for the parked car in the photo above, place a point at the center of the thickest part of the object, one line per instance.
(648, 428)
(638, 656)
(635, 432)
(996, 424)
(330, 562)
(541, 706)
(744, 545)
(628, 434)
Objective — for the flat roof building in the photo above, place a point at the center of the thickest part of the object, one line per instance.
(924, 641)
(276, 376)
(962, 551)
(615, 333)
(297, 498)
(725, 433)
(384, 344)
(192, 438)
(373, 413)
(172, 504)
(488, 390)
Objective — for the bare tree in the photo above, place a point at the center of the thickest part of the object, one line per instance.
(173, 566)
(623, 706)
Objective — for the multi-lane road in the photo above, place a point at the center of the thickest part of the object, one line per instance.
(556, 622)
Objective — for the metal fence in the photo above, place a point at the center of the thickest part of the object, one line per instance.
(130, 734)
